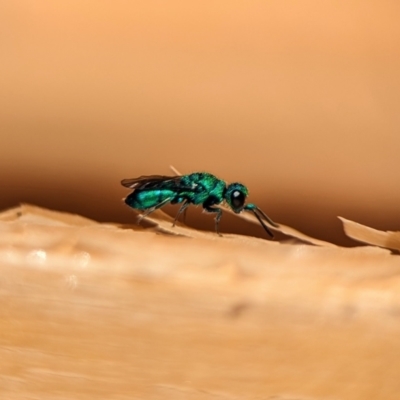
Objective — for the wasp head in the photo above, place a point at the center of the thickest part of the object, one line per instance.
(235, 196)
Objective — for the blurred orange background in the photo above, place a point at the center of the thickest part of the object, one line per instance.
(297, 100)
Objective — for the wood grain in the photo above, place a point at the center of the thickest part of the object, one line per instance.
(97, 311)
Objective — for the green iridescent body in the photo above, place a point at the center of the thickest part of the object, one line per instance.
(153, 192)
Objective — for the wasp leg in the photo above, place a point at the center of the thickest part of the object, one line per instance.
(217, 218)
(183, 210)
(150, 210)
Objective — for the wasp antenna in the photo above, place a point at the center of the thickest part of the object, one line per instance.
(262, 222)
(268, 219)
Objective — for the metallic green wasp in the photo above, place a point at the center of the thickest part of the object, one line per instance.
(155, 191)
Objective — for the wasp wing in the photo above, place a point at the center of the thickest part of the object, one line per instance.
(149, 182)
(155, 182)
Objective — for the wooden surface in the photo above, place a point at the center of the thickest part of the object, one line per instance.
(97, 311)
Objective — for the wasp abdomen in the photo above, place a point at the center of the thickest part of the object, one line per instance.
(145, 199)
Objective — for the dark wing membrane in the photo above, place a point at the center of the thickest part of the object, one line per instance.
(151, 182)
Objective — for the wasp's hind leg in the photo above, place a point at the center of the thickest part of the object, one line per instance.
(216, 210)
(183, 210)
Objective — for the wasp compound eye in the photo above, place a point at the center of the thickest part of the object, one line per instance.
(237, 199)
